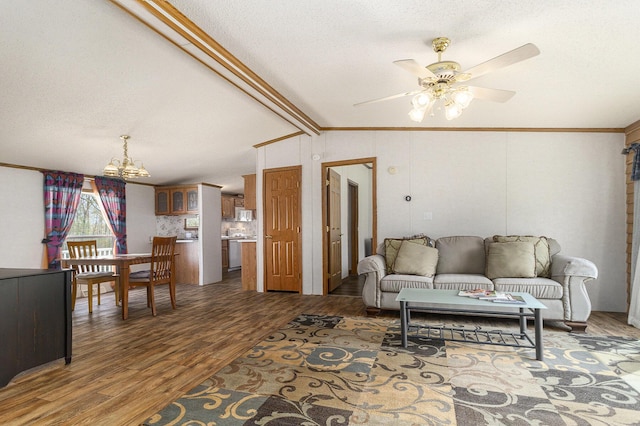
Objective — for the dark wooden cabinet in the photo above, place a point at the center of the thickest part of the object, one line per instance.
(35, 319)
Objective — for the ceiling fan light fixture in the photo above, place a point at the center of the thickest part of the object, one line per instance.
(452, 110)
(421, 100)
(462, 96)
(417, 114)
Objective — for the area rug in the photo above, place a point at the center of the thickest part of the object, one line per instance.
(332, 370)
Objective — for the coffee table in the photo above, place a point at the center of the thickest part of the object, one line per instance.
(448, 301)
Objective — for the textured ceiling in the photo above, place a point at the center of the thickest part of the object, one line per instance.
(76, 75)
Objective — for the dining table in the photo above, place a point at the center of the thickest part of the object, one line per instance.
(122, 262)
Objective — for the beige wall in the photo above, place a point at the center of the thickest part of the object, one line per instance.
(563, 185)
(22, 218)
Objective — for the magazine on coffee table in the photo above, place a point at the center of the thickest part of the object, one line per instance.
(492, 295)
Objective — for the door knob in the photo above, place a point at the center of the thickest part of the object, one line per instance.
(268, 236)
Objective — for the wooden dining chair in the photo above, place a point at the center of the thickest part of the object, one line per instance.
(162, 271)
(88, 275)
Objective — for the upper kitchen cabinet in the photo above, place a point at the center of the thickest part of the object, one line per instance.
(250, 192)
(177, 200)
(162, 201)
(228, 206)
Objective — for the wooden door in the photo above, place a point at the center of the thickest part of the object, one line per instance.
(282, 219)
(334, 229)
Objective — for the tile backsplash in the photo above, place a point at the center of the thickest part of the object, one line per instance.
(174, 225)
(249, 228)
(167, 226)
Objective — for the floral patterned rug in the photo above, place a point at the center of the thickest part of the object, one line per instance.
(331, 370)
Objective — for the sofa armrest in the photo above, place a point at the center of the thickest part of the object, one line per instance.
(573, 273)
(568, 265)
(374, 268)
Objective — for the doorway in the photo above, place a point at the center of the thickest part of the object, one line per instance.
(349, 221)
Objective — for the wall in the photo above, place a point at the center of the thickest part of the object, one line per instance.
(569, 186)
(22, 218)
(210, 248)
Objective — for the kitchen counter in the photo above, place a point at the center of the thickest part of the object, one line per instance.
(239, 239)
(247, 240)
(186, 241)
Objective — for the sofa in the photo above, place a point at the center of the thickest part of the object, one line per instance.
(511, 263)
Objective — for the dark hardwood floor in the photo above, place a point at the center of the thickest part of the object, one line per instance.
(351, 286)
(124, 371)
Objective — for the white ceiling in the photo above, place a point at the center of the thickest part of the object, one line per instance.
(77, 74)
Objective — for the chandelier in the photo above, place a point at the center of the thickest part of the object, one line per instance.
(126, 169)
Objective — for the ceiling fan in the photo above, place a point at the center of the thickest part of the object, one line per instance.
(443, 80)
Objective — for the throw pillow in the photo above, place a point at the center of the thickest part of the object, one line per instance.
(514, 259)
(416, 259)
(541, 246)
(392, 245)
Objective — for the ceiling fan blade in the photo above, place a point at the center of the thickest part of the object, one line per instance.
(399, 95)
(415, 68)
(495, 95)
(521, 53)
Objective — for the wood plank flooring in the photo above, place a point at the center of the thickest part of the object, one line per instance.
(124, 371)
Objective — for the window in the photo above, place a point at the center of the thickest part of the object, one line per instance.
(90, 223)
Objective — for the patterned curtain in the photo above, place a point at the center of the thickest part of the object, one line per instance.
(635, 165)
(61, 197)
(112, 194)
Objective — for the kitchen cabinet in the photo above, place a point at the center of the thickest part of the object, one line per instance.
(225, 255)
(177, 200)
(187, 262)
(250, 192)
(228, 207)
(35, 319)
(162, 201)
(249, 268)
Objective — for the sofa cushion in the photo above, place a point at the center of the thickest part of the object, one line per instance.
(462, 282)
(540, 288)
(541, 247)
(393, 283)
(416, 259)
(511, 259)
(392, 245)
(460, 255)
